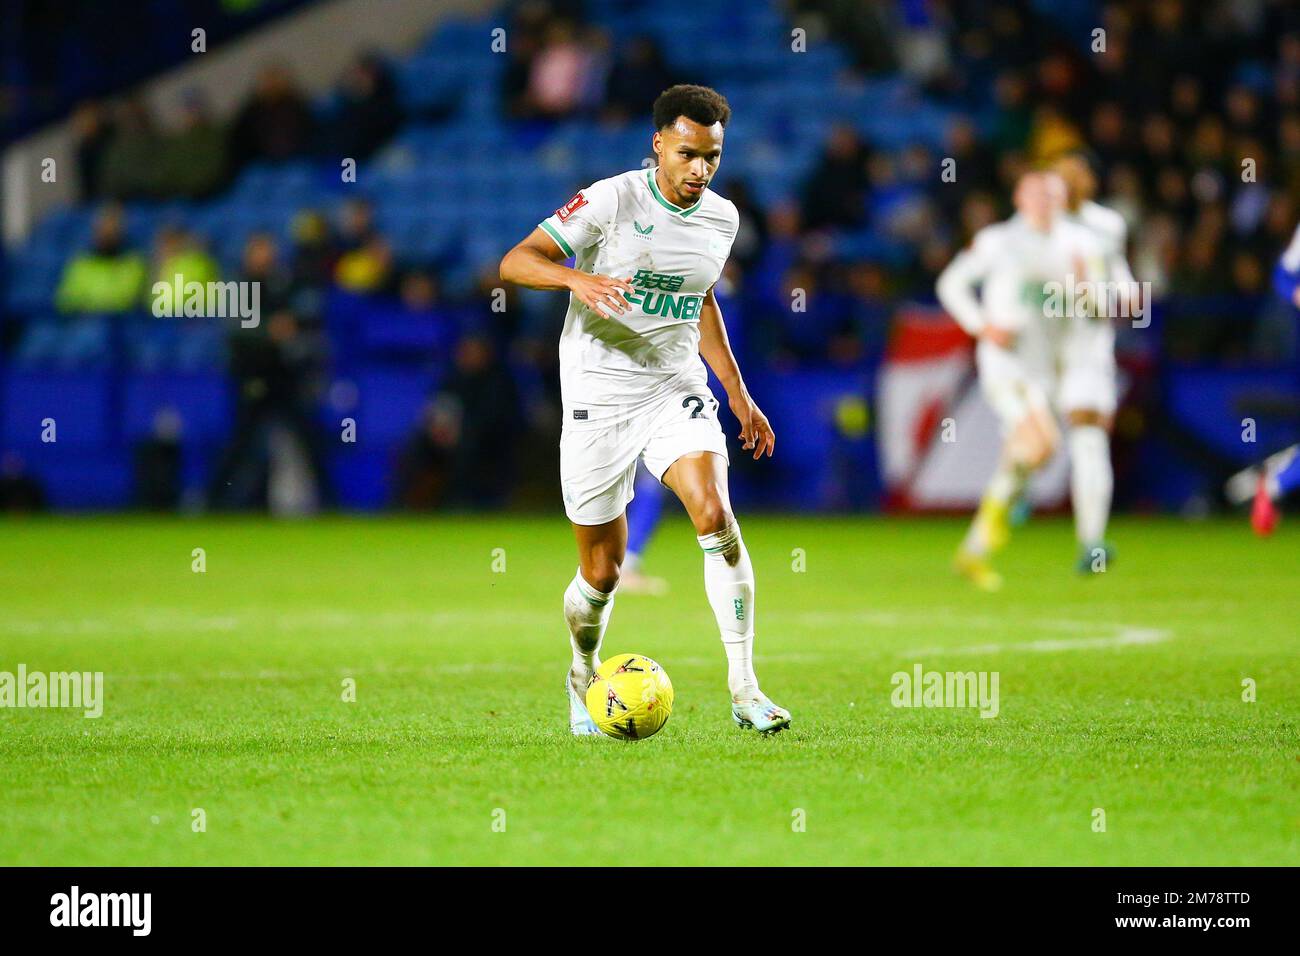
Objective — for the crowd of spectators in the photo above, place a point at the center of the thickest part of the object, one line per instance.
(1189, 110)
(122, 153)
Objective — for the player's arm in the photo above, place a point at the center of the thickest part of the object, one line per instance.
(1118, 272)
(538, 263)
(755, 430)
(1286, 274)
(956, 291)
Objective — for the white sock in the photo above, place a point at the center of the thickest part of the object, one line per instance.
(729, 584)
(586, 611)
(1091, 482)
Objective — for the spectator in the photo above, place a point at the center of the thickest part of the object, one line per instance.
(178, 252)
(356, 224)
(526, 32)
(1014, 119)
(366, 262)
(751, 234)
(368, 112)
(275, 366)
(483, 403)
(275, 123)
(315, 254)
(639, 74)
(194, 159)
(130, 168)
(561, 76)
(834, 194)
(366, 269)
(92, 131)
(424, 468)
(109, 277)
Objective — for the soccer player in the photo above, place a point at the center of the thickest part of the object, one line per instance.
(648, 246)
(1088, 387)
(1014, 262)
(1279, 474)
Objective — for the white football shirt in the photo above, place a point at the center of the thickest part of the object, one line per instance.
(623, 226)
(1017, 267)
(1112, 233)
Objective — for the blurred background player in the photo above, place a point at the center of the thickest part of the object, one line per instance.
(642, 521)
(1088, 388)
(1279, 475)
(1013, 262)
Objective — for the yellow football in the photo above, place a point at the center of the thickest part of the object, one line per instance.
(630, 698)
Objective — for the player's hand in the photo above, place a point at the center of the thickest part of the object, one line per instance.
(1002, 338)
(755, 431)
(602, 294)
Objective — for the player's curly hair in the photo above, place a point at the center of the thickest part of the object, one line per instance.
(699, 104)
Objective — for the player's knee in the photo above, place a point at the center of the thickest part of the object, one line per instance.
(1032, 447)
(603, 575)
(710, 514)
(1087, 416)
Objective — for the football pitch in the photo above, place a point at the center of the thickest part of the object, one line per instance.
(228, 736)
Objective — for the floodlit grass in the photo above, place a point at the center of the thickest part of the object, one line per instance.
(224, 691)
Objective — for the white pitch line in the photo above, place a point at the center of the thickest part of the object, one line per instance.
(1127, 637)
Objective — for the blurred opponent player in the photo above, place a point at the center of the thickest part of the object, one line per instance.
(642, 522)
(649, 246)
(1089, 388)
(1279, 474)
(1013, 262)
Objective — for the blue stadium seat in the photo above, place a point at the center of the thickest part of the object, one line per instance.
(79, 403)
(390, 400)
(77, 479)
(203, 402)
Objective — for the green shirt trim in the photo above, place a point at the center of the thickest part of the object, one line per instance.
(559, 239)
(671, 207)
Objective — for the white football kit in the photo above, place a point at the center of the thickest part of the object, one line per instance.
(1018, 267)
(1088, 374)
(633, 385)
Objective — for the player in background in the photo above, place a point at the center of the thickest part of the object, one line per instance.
(642, 522)
(1279, 474)
(1013, 262)
(648, 247)
(1089, 390)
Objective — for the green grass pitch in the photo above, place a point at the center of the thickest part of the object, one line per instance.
(224, 692)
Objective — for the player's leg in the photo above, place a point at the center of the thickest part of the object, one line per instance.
(699, 479)
(1264, 485)
(589, 598)
(642, 520)
(1092, 482)
(588, 604)
(1088, 398)
(1031, 440)
(596, 476)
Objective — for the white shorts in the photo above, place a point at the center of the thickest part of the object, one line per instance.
(1012, 389)
(598, 458)
(1088, 382)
